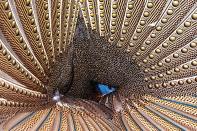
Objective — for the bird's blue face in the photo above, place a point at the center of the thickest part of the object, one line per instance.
(105, 89)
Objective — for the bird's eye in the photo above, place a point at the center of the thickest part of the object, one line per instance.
(105, 89)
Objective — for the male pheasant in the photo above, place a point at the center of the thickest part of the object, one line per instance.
(98, 65)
